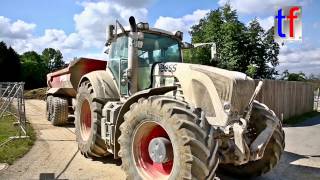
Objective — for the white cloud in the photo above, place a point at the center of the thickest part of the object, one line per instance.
(266, 23)
(73, 41)
(171, 24)
(53, 38)
(89, 35)
(58, 39)
(258, 6)
(305, 59)
(99, 55)
(91, 23)
(181, 23)
(18, 29)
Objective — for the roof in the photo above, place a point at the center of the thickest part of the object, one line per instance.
(152, 30)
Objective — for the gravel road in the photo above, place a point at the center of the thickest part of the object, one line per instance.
(55, 154)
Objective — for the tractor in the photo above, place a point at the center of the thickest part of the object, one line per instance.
(164, 118)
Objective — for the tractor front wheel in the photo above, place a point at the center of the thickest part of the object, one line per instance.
(275, 147)
(163, 138)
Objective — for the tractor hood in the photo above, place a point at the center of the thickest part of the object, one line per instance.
(222, 94)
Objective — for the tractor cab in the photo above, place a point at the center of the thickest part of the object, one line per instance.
(132, 54)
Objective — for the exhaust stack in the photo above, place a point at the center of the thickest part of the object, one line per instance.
(133, 25)
(132, 58)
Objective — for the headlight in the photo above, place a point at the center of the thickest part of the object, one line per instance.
(227, 107)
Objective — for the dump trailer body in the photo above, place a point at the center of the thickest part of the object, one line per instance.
(64, 82)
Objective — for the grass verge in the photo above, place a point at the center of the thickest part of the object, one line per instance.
(15, 148)
(301, 118)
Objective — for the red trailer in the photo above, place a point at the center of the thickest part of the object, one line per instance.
(63, 87)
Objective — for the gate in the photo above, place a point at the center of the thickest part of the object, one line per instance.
(12, 103)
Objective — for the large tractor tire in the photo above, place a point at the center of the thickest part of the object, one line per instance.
(49, 107)
(58, 110)
(163, 138)
(88, 113)
(273, 151)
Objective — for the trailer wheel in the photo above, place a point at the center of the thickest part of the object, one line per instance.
(163, 138)
(58, 111)
(273, 151)
(49, 107)
(88, 113)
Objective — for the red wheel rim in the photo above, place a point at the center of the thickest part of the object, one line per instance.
(146, 167)
(85, 120)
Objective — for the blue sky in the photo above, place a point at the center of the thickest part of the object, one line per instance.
(77, 27)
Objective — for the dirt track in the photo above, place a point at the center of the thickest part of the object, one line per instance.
(55, 154)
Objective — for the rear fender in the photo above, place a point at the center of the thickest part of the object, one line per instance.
(103, 85)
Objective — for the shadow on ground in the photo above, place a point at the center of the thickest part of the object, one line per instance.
(105, 160)
(286, 170)
(310, 122)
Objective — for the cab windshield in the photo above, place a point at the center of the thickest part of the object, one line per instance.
(159, 48)
(156, 48)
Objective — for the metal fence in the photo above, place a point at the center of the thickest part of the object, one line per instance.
(12, 103)
(287, 98)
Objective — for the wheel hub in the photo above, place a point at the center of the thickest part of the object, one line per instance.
(85, 120)
(153, 151)
(160, 150)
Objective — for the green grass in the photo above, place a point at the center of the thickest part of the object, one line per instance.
(301, 118)
(15, 148)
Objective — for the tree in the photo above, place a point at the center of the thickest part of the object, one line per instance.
(286, 75)
(10, 65)
(53, 59)
(30, 66)
(272, 51)
(34, 70)
(245, 49)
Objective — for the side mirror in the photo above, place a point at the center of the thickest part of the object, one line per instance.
(110, 34)
(107, 50)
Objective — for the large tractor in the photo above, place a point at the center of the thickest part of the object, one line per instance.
(164, 118)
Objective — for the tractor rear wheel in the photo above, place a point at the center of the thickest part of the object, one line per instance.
(273, 151)
(58, 111)
(163, 138)
(88, 113)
